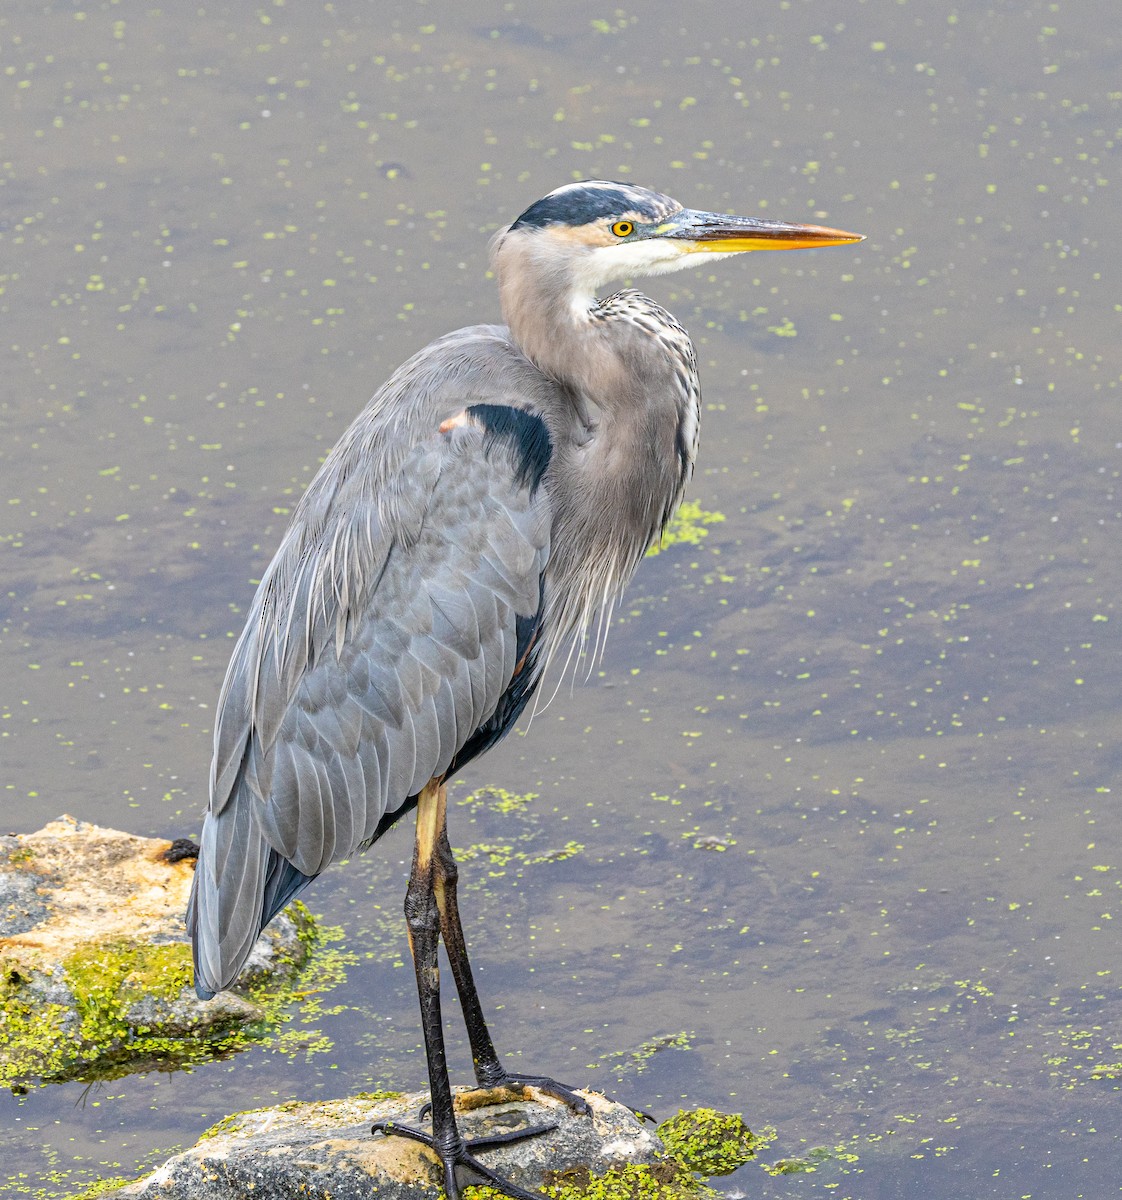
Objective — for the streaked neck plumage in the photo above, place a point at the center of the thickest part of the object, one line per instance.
(623, 417)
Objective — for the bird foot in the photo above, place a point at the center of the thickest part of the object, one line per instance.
(459, 1154)
(512, 1087)
(542, 1083)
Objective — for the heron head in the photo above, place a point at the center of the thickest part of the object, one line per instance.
(602, 232)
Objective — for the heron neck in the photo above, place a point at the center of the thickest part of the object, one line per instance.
(550, 321)
(624, 423)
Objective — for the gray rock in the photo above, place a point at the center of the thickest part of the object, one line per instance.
(326, 1150)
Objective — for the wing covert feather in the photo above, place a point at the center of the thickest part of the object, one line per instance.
(472, 530)
(374, 650)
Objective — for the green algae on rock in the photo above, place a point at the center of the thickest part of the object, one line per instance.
(95, 966)
(696, 1145)
(709, 1142)
(666, 1179)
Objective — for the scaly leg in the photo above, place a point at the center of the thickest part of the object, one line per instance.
(423, 920)
(489, 1072)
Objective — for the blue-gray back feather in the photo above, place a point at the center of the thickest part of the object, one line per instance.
(381, 640)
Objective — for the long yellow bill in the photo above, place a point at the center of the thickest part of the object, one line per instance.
(716, 233)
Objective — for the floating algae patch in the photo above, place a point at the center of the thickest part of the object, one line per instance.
(95, 966)
(524, 841)
(687, 526)
(624, 1062)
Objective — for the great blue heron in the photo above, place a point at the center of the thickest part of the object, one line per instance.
(490, 501)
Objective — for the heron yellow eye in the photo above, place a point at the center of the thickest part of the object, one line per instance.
(623, 228)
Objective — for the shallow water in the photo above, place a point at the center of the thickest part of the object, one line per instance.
(844, 784)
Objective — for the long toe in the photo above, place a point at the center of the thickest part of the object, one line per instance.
(550, 1087)
(469, 1162)
(461, 1156)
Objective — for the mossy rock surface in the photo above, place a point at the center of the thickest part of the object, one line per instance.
(327, 1149)
(95, 965)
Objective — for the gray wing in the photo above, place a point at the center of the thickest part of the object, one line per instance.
(382, 636)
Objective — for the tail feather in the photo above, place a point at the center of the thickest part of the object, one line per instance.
(240, 884)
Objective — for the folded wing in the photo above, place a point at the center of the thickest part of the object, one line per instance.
(389, 640)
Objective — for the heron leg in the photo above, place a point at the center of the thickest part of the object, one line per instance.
(489, 1072)
(423, 921)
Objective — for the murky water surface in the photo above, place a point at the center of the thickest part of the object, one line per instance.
(843, 797)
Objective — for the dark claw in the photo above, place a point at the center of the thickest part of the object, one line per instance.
(461, 1156)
